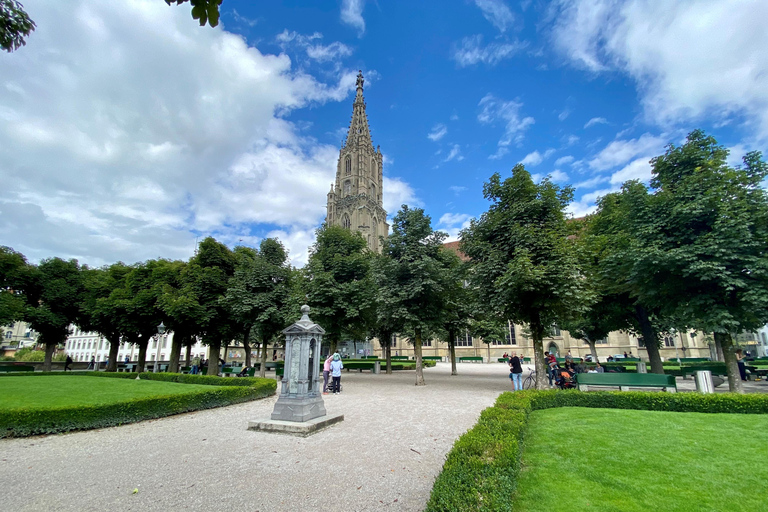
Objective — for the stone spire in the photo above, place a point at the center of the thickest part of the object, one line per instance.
(359, 134)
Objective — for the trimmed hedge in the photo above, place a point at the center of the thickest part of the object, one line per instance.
(27, 422)
(481, 470)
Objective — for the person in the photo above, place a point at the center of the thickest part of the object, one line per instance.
(610, 358)
(336, 367)
(740, 362)
(506, 356)
(91, 363)
(581, 367)
(195, 365)
(127, 359)
(203, 366)
(67, 362)
(243, 371)
(599, 368)
(625, 354)
(569, 366)
(568, 357)
(516, 372)
(222, 364)
(326, 373)
(549, 368)
(552, 365)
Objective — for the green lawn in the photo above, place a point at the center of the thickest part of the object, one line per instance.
(624, 460)
(54, 391)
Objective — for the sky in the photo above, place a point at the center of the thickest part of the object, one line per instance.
(128, 132)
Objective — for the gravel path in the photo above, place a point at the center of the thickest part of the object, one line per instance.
(385, 455)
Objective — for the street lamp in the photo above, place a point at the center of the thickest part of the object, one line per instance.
(160, 332)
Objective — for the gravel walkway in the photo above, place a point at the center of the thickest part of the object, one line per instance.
(385, 455)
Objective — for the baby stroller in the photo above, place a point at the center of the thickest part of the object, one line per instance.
(564, 379)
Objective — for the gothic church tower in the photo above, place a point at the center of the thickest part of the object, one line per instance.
(355, 200)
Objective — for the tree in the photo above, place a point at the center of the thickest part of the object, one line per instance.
(207, 11)
(705, 243)
(14, 279)
(182, 311)
(15, 25)
(459, 303)
(53, 301)
(338, 282)
(524, 264)
(413, 278)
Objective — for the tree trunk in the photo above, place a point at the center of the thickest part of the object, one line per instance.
(334, 345)
(214, 353)
(247, 346)
(718, 349)
(114, 346)
(731, 363)
(173, 366)
(417, 353)
(263, 369)
(542, 381)
(452, 351)
(593, 350)
(388, 352)
(189, 351)
(488, 347)
(50, 348)
(651, 339)
(143, 346)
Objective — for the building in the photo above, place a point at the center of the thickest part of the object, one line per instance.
(19, 334)
(355, 200)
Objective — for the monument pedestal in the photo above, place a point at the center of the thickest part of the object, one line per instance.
(296, 428)
(304, 408)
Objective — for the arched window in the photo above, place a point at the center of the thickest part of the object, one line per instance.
(347, 188)
(373, 191)
(374, 168)
(347, 166)
(345, 223)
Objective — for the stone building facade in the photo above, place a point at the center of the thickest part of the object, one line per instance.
(355, 199)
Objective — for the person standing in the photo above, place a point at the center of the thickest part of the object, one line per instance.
(195, 365)
(516, 372)
(336, 367)
(742, 367)
(326, 373)
(67, 362)
(127, 359)
(91, 363)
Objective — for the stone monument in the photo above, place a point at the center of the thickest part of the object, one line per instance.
(300, 408)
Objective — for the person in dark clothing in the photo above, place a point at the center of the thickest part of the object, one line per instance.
(67, 362)
(91, 363)
(742, 367)
(516, 372)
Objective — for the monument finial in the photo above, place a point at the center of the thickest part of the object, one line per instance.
(360, 79)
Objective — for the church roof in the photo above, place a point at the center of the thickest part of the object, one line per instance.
(359, 133)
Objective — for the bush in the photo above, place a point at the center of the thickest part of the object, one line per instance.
(29, 354)
(480, 471)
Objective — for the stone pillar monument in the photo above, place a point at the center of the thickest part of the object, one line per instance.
(300, 408)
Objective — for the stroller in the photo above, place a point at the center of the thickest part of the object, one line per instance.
(564, 379)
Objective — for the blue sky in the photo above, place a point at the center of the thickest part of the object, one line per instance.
(128, 131)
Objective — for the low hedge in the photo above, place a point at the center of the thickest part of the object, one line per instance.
(27, 422)
(481, 470)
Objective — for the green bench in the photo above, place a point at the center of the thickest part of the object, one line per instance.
(432, 358)
(373, 366)
(16, 368)
(399, 358)
(624, 381)
(472, 359)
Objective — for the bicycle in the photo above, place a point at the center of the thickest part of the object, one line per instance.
(530, 380)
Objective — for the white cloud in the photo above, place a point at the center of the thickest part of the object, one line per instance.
(558, 176)
(471, 51)
(563, 160)
(535, 158)
(494, 109)
(453, 223)
(108, 158)
(455, 154)
(497, 13)
(586, 204)
(690, 59)
(352, 14)
(639, 169)
(454, 117)
(331, 52)
(297, 241)
(314, 50)
(592, 182)
(397, 193)
(596, 120)
(438, 132)
(456, 189)
(619, 152)
(562, 116)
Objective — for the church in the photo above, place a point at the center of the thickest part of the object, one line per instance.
(355, 199)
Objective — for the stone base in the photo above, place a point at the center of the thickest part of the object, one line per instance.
(298, 409)
(296, 428)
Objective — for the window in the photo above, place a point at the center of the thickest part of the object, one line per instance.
(464, 340)
(347, 166)
(554, 331)
(669, 341)
(511, 338)
(101, 344)
(602, 341)
(373, 191)
(765, 341)
(498, 342)
(426, 343)
(8, 335)
(345, 222)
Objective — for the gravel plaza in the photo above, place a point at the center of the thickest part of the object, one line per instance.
(384, 455)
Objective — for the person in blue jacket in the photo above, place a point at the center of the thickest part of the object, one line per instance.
(336, 366)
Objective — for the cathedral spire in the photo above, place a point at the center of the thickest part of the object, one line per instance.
(359, 133)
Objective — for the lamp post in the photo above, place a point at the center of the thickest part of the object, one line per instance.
(160, 333)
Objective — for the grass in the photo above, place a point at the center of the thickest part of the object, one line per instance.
(627, 460)
(55, 391)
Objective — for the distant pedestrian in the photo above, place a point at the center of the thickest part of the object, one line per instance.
(127, 359)
(742, 367)
(67, 362)
(625, 354)
(195, 365)
(516, 372)
(336, 367)
(91, 363)
(326, 373)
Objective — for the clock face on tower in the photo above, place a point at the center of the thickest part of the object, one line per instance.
(355, 199)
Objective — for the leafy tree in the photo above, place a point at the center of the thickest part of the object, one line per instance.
(524, 266)
(489, 327)
(15, 25)
(181, 310)
(705, 243)
(413, 277)
(53, 302)
(14, 279)
(207, 11)
(338, 282)
(460, 303)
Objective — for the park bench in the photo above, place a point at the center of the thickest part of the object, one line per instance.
(432, 358)
(16, 368)
(399, 358)
(373, 366)
(471, 359)
(627, 380)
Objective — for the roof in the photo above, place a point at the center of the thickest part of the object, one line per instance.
(454, 247)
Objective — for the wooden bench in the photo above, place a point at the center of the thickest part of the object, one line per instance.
(472, 359)
(16, 368)
(624, 381)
